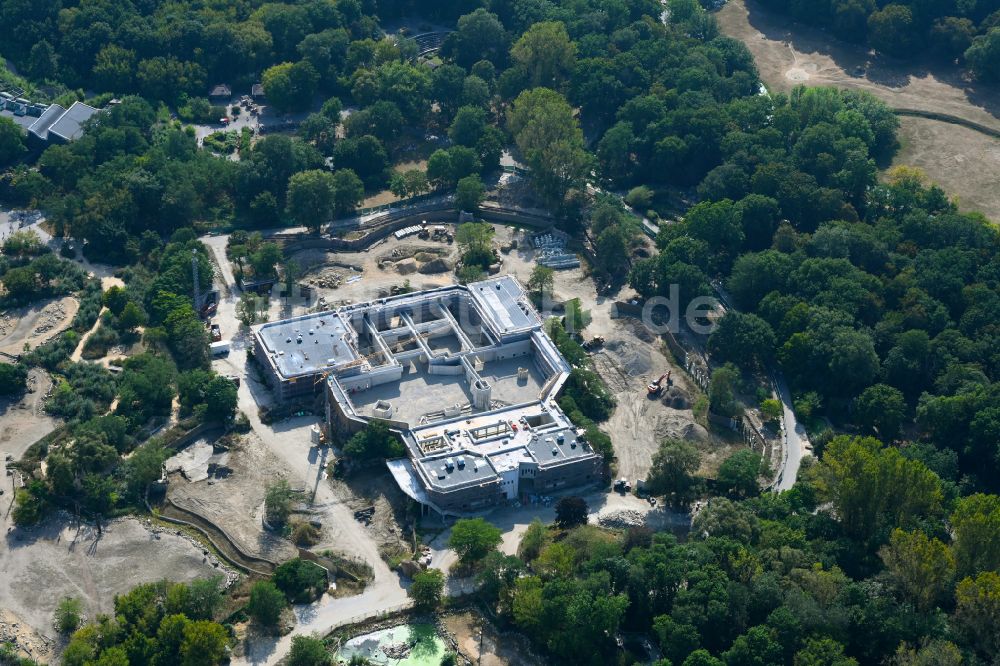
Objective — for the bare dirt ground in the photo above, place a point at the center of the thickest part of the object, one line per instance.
(35, 324)
(481, 642)
(24, 421)
(60, 559)
(377, 489)
(26, 641)
(234, 499)
(790, 54)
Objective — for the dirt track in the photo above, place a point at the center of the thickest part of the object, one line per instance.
(958, 158)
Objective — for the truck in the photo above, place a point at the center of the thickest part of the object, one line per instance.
(220, 348)
(623, 486)
(215, 332)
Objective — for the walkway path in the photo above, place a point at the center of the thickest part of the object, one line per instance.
(796, 441)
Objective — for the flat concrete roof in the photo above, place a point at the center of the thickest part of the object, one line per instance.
(453, 470)
(308, 344)
(505, 299)
(417, 393)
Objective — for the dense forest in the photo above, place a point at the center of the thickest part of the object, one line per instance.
(876, 297)
(965, 31)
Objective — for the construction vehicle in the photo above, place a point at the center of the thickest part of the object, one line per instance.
(656, 388)
(623, 486)
(593, 343)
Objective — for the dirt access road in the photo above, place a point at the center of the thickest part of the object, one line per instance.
(963, 161)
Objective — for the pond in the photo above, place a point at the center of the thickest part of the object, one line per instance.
(404, 645)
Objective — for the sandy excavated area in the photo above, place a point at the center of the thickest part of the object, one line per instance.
(497, 649)
(235, 500)
(35, 324)
(958, 158)
(59, 559)
(24, 421)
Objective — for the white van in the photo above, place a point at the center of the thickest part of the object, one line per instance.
(220, 348)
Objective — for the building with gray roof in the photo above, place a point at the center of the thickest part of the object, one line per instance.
(465, 375)
(60, 125)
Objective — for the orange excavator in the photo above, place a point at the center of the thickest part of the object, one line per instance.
(656, 388)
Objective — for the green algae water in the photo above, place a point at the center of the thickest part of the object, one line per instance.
(405, 645)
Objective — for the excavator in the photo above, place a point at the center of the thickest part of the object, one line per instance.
(656, 388)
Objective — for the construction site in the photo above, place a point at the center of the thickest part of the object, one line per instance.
(464, 374)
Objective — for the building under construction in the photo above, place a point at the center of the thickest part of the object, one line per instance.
(465, 374)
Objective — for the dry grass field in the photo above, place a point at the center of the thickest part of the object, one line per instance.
(965, 162)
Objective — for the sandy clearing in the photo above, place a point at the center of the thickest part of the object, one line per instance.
(35, 324)
(57, 559)
(962, 160)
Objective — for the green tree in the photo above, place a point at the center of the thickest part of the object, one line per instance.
(722, 390)
(131, 317)
(923, 567)
(308, 651)
(468, 126)
(571, 512)
(701, 658)
(469, 273)
(348, 192)
(311, 198)
(756, 647)
(672, 471)
(533, 541)
(930, 653)
(743, 338)
(891, 30)
(11, 141)
(479, 35)
(42, 61)
(278, 501)
(874, 489)
(302, 581)
(976, 524)
(13, 378)
(822, 652)
(426, 589)
(771, 410)
(977, 612)
(882, 410)
(469, 193)
(473, 539)
(475, 241)
(204, 643)
(374, 443)
(220, 398)
(266, 603)
(542, 280)
(251, 308)
(549, 136)
(983, 58)
(289, 86)
(68, 614)
(739, 473)
(546, 53)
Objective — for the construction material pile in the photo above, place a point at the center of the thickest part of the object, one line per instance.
(622, 519)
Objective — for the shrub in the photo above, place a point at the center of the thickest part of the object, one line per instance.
(302, 581)
(68, 615)
(266, 603)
